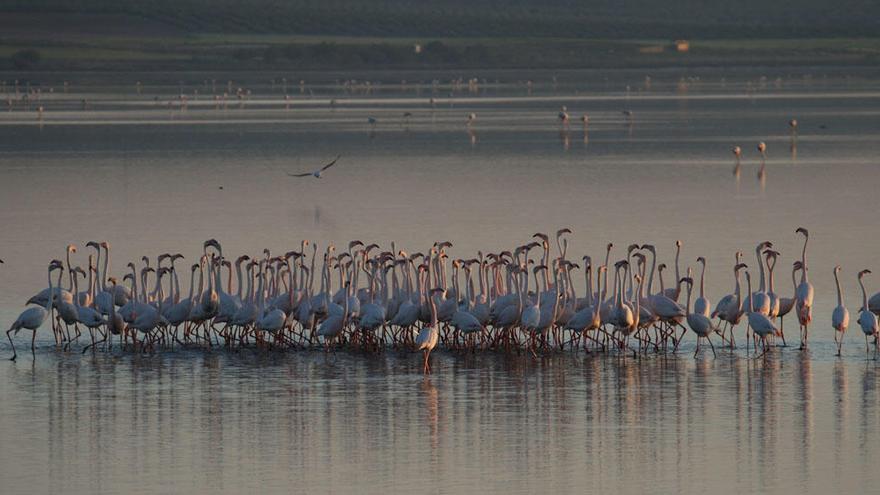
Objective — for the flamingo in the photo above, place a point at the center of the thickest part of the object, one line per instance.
(773, 311)
(115, 324)
(429, 335)
(759, 322)
(699, 322)
(804, 293)
(563, 115)
(737, 154)
(840, 316)
(702, 304)
(762, 149)
(787, 303)
(867, 319)
(89, 317)
(759, 301)
(730, 308)
(333, 326)
(33, 317)
(674, 292)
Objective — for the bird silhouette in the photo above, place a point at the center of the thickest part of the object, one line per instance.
(317, 173)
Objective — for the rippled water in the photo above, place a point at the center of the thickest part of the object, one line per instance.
(148, 179)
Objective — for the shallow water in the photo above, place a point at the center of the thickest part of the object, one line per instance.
(315, 423)
(147, 178)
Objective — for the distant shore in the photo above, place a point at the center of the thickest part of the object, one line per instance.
(21, 55)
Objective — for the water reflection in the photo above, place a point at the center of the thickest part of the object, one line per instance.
(225, 422)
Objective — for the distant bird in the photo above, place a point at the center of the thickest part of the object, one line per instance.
(793, 124)
(471, 117)
(585, 120)
(737, 153)
(317, 173)
(563, 115)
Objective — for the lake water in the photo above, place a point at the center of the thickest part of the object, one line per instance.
(149, 178)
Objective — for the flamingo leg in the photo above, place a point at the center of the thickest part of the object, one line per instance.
(712, 346)
(14, 354)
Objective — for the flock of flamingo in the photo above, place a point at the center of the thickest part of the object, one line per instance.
(510, 301)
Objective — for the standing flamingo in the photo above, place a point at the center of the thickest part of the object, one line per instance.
(429, 335)
(33, 317)
(699, 322)
(867, 319)
(759, 322)
(840, 316)
(702, 304)
(804, 293)
(762, 149)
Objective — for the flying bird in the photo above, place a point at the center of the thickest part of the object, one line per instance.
(317, 173)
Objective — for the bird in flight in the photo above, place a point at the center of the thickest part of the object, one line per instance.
(316, 173)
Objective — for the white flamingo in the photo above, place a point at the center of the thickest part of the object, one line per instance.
(867, 319)
(840, 316)
(429, 335)
(699, 322)
(804, 293)
(33, 317)
(759, 322)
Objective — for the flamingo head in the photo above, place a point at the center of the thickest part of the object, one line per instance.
(805, 232)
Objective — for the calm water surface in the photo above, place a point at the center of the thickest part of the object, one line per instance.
(148, 179)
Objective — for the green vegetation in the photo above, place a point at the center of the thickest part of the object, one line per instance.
(355, 34)
(25, 59)
(490, 18)
(262, 53)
